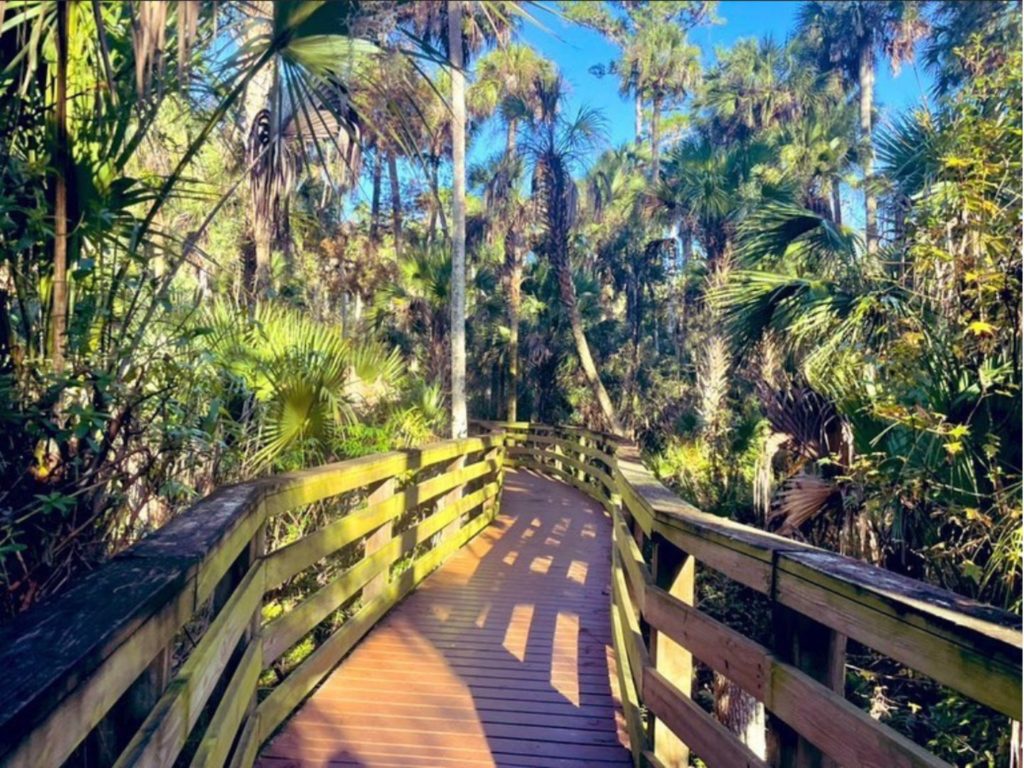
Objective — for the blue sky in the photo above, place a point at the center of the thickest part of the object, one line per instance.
(576, 49)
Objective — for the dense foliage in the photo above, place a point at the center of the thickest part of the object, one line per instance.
(226, 249)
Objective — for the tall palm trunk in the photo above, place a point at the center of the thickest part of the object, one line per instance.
(258, 97)
(378, 172)
(866, 75)
(655, 139)
(59, 302)
(396, 203)
(515, 302)
(514, 264)
(460, 426)
(638, 116)
(837, 203)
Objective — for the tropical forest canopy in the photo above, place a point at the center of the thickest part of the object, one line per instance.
(239, 238)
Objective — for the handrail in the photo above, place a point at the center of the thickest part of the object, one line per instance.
(817, 599)
(104, 675)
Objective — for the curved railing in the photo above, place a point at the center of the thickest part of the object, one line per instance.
(817, 600)
(155, 658)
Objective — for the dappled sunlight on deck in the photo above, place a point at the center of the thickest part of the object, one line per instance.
(501, 658)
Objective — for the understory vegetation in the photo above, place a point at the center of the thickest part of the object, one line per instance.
(232, 236)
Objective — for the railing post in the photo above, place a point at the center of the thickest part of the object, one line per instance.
(818, 651)
(674, 571)
(376, 586)
(112, 734)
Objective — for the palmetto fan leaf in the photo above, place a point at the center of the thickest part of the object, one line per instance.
(310, 380)
(778, 232)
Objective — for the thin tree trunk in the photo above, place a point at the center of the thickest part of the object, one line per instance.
(396, 203)
(460, 427)
(866, 76)
(567, 291)
(655, 139)
(837, 203)
(638, 116)
(515, 300)
(378, 171)
(59, 303)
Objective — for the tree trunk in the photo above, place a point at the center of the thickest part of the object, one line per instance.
(866, 76)
(741, 713)
(655, 138)
(378, 172)
(259, 97)
(460, 426)
(638, 116)
(567, 292)
(59, 303)
(515, 300)
(396, 203)
(837, 204)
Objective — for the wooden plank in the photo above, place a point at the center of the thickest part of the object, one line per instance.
(231, 710)
(838, 728)
(299, 489)
(627, 690)
(286, 562)
(675, 572)
(711, 740)
(283, 632)
(737, 657)
(62, 729)
(244, 754)
(276, 707)
(822, 716)
(972, 648)
(636, 649)
(639, 577)
(163, 735)
(818, 652)
(598, 476)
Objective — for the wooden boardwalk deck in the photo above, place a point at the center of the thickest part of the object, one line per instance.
(501, 658)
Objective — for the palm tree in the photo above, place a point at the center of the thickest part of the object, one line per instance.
(625, 23)
(667, 68)
(460, 425)
(555, 150)
(462, 33)
(506, 82)
(847, 37)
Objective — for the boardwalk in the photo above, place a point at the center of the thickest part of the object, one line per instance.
(501, 658)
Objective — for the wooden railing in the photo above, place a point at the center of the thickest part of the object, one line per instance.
(817, 600)
(156, 658)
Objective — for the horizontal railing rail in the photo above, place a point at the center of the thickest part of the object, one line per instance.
(817, 600)
(156, 658)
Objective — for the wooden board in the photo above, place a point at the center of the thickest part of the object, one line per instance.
(501, 657)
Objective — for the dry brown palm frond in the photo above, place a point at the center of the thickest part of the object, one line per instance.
(801, 498)
(149, 30)
(764, 475)
(815, 427)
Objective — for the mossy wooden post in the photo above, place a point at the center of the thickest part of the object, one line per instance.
(451, 497)
(818, 651)
(379, 538)
(674, 571)
(497, 455)
(114, 731)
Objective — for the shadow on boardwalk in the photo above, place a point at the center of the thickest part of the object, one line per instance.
(500, 658)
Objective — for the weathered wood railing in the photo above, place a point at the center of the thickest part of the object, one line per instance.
(817, 600)
(155, 658)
